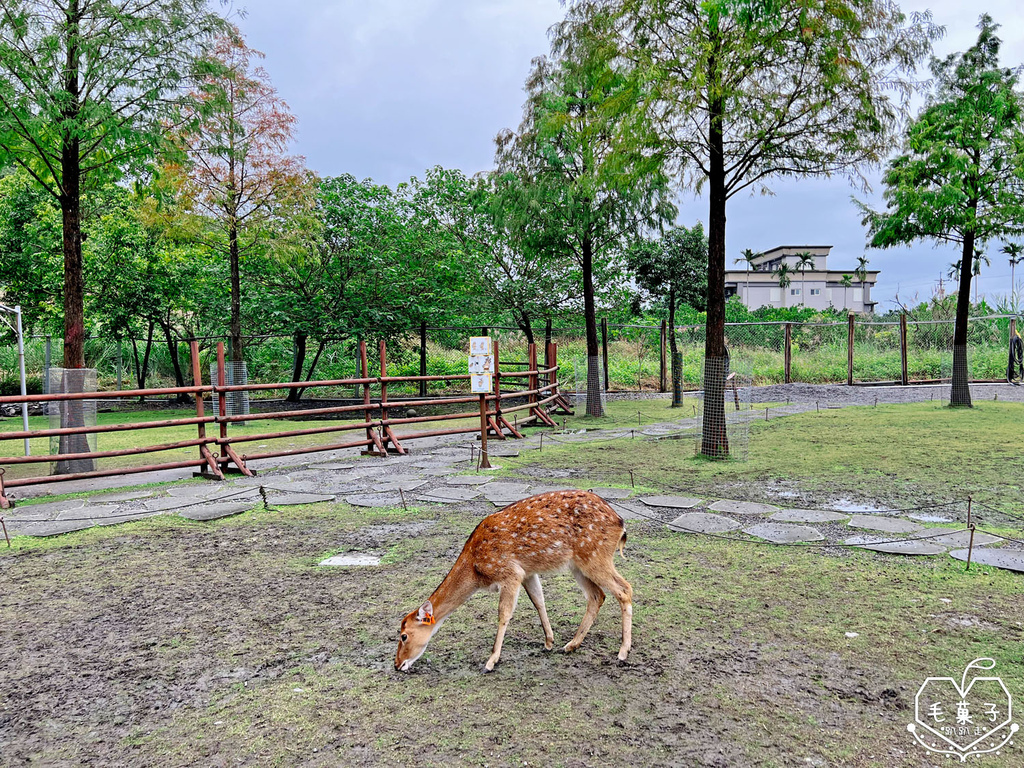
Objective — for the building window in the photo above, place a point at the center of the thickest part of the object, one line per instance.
(815, 291)
(794, 291)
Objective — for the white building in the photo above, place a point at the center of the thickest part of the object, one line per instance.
(819, 287)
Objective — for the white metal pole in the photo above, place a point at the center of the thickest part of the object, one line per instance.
(21, 364)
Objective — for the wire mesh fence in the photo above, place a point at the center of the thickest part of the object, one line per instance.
(635, 358)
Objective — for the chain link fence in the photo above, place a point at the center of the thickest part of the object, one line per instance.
(634, 358)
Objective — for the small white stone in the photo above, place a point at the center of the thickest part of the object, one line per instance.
(852, 635)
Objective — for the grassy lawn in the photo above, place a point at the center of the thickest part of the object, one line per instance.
(168, 643)
(171, 643)
(900, 455)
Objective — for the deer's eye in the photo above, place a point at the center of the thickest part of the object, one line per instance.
(405, 637)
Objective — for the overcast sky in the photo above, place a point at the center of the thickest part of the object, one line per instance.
(388, 88)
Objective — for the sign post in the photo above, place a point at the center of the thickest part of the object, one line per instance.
(481, 381)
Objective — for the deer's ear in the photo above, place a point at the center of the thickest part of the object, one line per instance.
(426, 613)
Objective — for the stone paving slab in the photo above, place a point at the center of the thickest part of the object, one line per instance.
(672, 502)
(875, 543)
(190, 493)
(125, 517)
(450, 495)
(208, 512)
(742, 507)
(350, 560)
(119, 497)
(613, 493)
(331, 465)
(46, 509)
(90, 511)
(468, 480)
(374, 500)
(884, 524)
(631, 511)
(1011, 560)
(399, 477)
(165, 503)
(808, 516)
(45, 529)
(784, 533)
(406, 485)
(703, 522)
(500, 487)
(507, 453)
(440, 471)
(957, 537)
(295, 499)
(344, 488)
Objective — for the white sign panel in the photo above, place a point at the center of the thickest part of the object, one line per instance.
(480, 345)
(481, 363)
(480, 383)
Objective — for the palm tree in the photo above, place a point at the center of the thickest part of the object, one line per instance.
(749, 257)
(1015, 251)
(979, 257)
(846, 282)
(862, 274)
(953, 273)
(784, 274)
(806, 260)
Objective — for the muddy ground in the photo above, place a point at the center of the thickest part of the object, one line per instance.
(172, 643)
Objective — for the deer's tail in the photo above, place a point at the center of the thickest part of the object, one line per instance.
(622, 545)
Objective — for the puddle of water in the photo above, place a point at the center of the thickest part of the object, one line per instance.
(783, 494)
(848, 505)
(931, 518)
(351, 559)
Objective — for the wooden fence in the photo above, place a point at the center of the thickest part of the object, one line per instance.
(379, 432)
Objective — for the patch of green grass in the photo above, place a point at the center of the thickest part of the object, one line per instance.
(898, 454)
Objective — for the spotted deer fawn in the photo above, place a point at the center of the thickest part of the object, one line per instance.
(512, 548)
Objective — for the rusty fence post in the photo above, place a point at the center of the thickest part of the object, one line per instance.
(904, 367)
(197, 380)
(371, 436)
(849, 349)
(788, 354)
(387, 435)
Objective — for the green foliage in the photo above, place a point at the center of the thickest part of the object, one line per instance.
(673, 268)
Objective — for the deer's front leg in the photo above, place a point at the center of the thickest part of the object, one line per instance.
(536, 593)
(506, 605)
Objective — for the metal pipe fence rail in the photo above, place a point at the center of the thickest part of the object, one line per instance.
(216, 452)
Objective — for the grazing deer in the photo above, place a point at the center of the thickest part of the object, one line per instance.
(511, 548)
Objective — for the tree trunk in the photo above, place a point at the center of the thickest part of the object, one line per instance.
(677, 374)
(594, 404)
(312, 365)
(236, 292)
(142, 369)
(298, 363)
(72, 412)
(179, 377)
(960, 390)
(714, 440)
(527, 327)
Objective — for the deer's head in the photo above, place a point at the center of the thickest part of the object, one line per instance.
(416, 631)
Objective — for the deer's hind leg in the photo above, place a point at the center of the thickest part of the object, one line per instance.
(595, 598)
(536, 593)
(611, 580)
(507, 598)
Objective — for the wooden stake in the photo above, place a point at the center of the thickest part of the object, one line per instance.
(484, 461)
